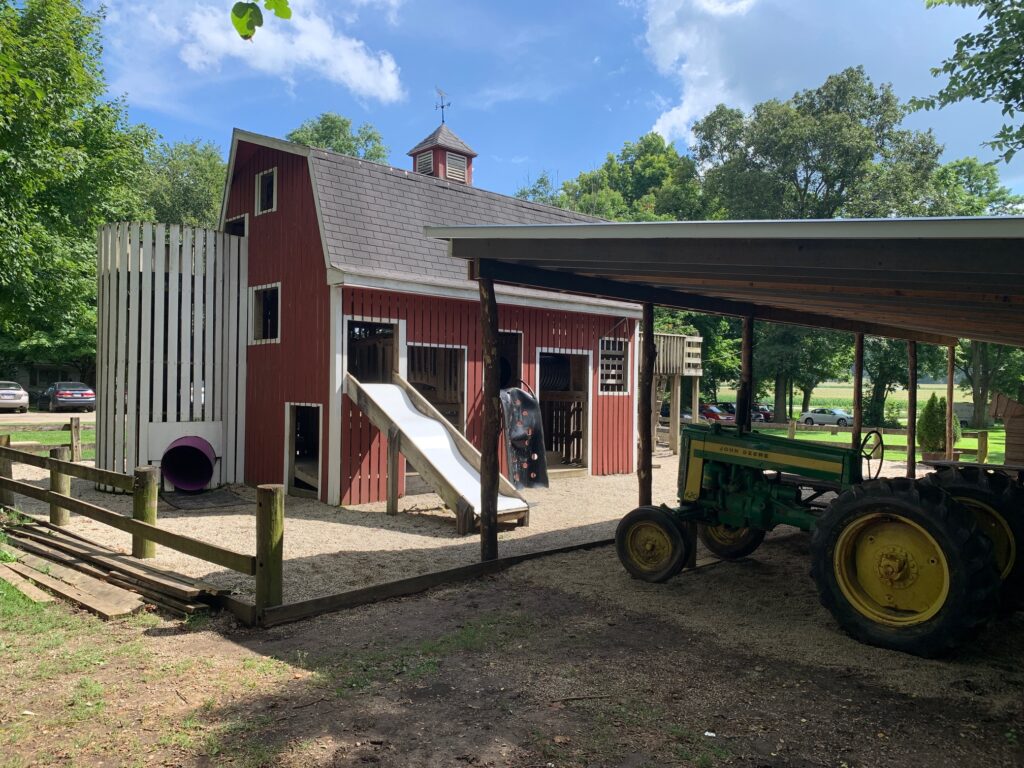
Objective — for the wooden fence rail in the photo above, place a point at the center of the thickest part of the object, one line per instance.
(266, 565)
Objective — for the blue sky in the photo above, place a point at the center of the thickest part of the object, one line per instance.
(534, 85)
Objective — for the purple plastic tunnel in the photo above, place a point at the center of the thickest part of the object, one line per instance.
(188, 463)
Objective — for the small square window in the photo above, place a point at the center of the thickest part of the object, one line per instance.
(266, 313)
(266, 191)
(425, 162)
(614, 366)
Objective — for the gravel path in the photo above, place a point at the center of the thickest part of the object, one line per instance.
(330, 549)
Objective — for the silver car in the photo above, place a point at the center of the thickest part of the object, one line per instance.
(836, 416)
(13, 397)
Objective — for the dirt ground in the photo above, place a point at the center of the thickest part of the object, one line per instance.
(562, 662)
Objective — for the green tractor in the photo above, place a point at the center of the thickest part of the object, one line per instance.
(909, 565)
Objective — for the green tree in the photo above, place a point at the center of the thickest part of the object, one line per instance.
(334, 132)
(886, 368)
(69, 161)
(986, 66)
(185, 183)
(931, 425)
(823, 356)
(542, 190)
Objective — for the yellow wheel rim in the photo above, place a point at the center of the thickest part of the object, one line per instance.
(891, 570)
(993, 525)
(726, 535)
(648, 545)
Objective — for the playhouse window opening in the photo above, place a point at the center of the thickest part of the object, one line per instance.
(266, 313)
(266, 191)
(371, 352)
(614, 365)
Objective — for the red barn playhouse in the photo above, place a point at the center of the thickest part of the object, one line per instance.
(339, 278)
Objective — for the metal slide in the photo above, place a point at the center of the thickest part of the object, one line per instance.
(439, 452)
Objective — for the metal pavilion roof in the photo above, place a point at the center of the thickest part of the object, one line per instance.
(931, 280)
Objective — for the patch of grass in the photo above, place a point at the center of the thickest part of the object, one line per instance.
(197, 622)
(229, 743)
(5, 556)
(86, 700)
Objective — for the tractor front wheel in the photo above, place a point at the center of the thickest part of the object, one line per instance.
(997, 503)
(651, 544)
(730, 543)
(902, 565)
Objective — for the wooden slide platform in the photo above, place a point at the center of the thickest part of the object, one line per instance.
(50, 561)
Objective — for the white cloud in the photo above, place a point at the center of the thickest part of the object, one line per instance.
(145, 50)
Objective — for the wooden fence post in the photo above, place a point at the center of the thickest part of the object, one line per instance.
(791, 429)
(982, 446)
(76, 438)
(269, 546)
(145, 495)
(59, 483)
(393, 462)
(6, 497)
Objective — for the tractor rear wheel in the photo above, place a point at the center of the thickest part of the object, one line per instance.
(997, 503)
(730, 543)
(904, 566)
(651, 545)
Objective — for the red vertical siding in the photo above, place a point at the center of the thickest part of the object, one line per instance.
(435, 320)
(284, 246)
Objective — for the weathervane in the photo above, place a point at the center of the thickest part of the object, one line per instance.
(442, 105)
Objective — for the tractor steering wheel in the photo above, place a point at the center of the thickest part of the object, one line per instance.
(875, 451)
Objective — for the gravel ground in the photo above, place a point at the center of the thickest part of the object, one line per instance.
(329, 550)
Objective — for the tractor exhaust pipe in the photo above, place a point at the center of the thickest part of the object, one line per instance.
(188, 463)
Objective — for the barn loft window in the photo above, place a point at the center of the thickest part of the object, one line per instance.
(266, 313)
(425, 162)
(266, 191)
(614, 366)
(456, 167)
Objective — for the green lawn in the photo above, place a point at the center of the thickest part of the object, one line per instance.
(51, 437)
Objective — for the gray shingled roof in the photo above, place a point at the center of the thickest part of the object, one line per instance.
(374, 215)
(443, 137)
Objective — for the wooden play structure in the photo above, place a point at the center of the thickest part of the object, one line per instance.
(1012, 413)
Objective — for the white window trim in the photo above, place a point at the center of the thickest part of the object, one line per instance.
(429, 153)
(253, 341)
(626, 366)
(448, 164)
(256, 206)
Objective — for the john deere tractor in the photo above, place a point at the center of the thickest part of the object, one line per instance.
(909, 565)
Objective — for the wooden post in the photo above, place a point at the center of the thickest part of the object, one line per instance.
(6, 497)
(76, 438)
(695, 400)
(858, 390)
(745, 397)
(645, 456)
(950, 415)
(674, 410)
(655, 409)
(393, 455)
(791, 429)
(982, 446)
(59, 483)
(491, 422)
(145, 495)
(911, 409)
(269, 546)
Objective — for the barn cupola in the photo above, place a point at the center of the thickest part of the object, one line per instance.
(444, 155)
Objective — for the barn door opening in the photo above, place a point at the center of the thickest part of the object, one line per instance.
(372, 352)
(564, 395)
(303, 434)
(439, 374)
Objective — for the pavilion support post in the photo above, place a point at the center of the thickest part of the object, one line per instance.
(745, 397)
(491, 423)
(950, 371)
(911, 409)
(858, 390)
(674, 410)
(695, 400)
(644, 469)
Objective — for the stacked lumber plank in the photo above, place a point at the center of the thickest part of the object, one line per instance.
(95, 577)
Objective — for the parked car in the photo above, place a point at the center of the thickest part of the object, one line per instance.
(713, 413)
(836, 416)
(766, 411)
(68, 394)
(756, 415)
(13, 397)
(729, 408)
(685, 414)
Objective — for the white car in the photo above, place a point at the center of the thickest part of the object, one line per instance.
(836, 416)
(13, 397)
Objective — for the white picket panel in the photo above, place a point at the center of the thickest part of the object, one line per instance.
(214, 247)
(121, 335)
(173, 322)
(185, 333)
(145, 342)
(159, 307)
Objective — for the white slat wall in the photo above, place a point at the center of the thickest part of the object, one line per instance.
(172, 322)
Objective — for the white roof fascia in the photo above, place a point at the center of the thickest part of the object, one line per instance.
(950, 228)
